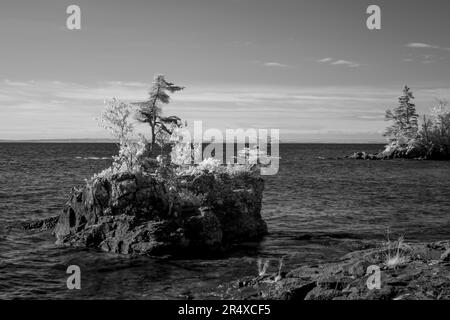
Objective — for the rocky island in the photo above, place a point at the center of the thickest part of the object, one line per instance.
(148, 215)
(407, 139)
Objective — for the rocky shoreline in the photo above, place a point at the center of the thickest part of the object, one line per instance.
(407, 272)
(419, 271)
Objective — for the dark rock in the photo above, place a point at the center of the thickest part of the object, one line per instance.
(322, 294)
(357, 155)
(446, 255)
(364, 156)
(357, 269)
(387, 292)
(43, 224)
(148, 215)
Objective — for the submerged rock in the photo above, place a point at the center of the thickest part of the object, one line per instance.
(364, 156)
(42, 224)
(421, 272)
(149, 215)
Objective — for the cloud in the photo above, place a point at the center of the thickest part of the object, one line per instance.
(346, 63)
(423, 58)
(421, 45)
(325, 60)
(53, 109)
(275, 64)
(338, 62)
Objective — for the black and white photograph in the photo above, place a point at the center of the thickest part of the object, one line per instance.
(253, 151)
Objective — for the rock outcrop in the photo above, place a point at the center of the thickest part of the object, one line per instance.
(397, 151)
(42, 224)
(364, 156)
(149, 215)
(421, 272)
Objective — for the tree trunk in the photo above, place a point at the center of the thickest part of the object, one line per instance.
(153, 138)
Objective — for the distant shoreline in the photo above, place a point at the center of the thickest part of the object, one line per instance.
(112, 141)
(58, 141)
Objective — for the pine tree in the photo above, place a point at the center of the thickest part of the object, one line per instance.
(404, 118)
(150, 111)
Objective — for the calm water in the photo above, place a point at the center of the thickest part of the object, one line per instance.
(316, 210)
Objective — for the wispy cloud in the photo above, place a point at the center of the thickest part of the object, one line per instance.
(346, 63)
(423, 58)
(275, 64)
(53, 109)
(339, 62)
(325, 60)
(421, 45)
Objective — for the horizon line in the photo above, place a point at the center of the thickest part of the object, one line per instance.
(111, 141)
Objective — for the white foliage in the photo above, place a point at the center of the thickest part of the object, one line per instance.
(440, 116)
(130, 155)
(262, 267)
(115, 118)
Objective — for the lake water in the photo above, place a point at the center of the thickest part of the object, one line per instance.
(316, 210)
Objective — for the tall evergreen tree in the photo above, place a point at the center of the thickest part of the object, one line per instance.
(404, 118)
(150, 111)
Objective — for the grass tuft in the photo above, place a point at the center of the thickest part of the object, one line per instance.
(397, 253)
(262, 268)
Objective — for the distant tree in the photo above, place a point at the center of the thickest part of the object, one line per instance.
(404, 118)
(150, 111)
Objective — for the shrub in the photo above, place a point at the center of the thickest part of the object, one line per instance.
(434, 135)
(396, 253)
(214, 166)
(115, 118)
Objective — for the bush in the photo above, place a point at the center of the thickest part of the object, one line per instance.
(434, 136)
(211, 165)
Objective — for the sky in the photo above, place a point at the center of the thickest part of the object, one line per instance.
(309, 68)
